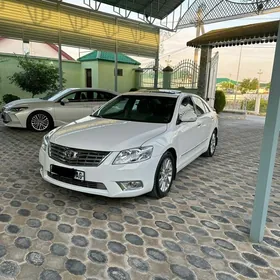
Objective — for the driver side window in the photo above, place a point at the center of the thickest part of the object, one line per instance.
(76, 96)
(186, 106)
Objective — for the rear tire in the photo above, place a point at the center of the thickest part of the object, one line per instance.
(39, 121)
(212, 145)
(164, 176)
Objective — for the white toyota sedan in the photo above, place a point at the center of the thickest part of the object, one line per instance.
(134, 144)
(41, 114)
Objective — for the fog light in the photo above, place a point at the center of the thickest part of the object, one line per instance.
(130, 185)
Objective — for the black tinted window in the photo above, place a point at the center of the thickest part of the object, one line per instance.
(150, 109)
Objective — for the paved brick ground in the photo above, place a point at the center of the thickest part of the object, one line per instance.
(200, 231)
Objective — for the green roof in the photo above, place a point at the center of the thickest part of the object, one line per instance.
(225, 80)
(108, 56)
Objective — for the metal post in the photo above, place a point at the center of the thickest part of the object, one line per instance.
(258, 97)
(60, 64)
(268, 152)
(116, 59)
(156, 71)
(237, 78)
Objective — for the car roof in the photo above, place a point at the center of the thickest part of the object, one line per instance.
(160, 92)
(94, 89)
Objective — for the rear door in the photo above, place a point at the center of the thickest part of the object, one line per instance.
(205, 118)
(95, 99)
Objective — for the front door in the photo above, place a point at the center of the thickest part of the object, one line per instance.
(188, 134)
(72, 109)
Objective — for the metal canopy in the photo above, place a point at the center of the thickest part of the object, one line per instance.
(241, 35)
(210, 11)
(158, 9)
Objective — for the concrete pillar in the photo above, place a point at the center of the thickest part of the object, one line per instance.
(138, 77)
(167, 76)
(203, 76)
(268, 152)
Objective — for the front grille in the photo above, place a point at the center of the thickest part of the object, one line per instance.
(85, 184)
(77, 157)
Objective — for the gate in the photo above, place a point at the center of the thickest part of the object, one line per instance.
(148, 76)
(185, 75)
(212, 77)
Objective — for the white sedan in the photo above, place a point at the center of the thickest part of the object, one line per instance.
(64, 107)
(134, 144)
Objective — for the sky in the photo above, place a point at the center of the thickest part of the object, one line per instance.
(254, 59)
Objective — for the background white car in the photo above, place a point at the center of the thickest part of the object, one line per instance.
(132, 145)
(64, 107)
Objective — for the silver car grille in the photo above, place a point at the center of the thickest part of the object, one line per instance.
(76, 157)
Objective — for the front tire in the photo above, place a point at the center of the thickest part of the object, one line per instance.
(39, 122)
(164, 175)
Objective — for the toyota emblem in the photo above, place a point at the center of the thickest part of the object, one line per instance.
(70, 154)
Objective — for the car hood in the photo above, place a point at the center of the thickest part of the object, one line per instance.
(105, 134)
(25, 102)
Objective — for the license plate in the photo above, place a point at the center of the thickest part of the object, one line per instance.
(79, 175)
(68, 173)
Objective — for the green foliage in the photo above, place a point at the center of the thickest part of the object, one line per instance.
(220, 101)
(7, 98)
(250, 105)
(248, 84)
(36, 76)
(226, 85)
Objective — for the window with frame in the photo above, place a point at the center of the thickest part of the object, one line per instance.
(199, 105)
(119, 72)
(78, 96)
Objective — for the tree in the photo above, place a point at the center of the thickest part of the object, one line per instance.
(226, 85)
(36, 77)
(249, 84)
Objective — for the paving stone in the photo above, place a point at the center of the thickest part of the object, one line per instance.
(75, 267)
(149, 231)
(100, 216)
(22, 243)
(35, 258)
(225, 244)
(53, 217)
(157, 209)
(24, 212)
(59, 202)
(254, 259)
(131, 220)
(42, 207)
(172, 246)
(187, 214)
(145, 215)
(65, 228)
(79, 241)
(134, 239)
(265, 251)
(156, 255)
(138, 264)
(224, 276)
(235, 236)
(97, 257)
(5, 218)
(182, 272)
(212, 252)
(3, 251)
(12, 229)
(272, 241)
(163, 225)
(83, 222)
(9, 269)
(15, 203)
(99, 234)
(243, 270)
(116, 273)
(209, 224)
(45, 235)
(34, 223)
(199, 231)
(116, 226)
(116, 247)
(59, 249)
(50, 275)
(186, 238)
(198, 262)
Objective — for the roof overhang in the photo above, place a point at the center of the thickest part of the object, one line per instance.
(264, 32)
(158, 9)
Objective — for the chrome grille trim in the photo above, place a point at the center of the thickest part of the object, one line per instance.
(84, 157)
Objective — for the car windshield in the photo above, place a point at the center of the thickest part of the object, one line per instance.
(150, 109)
(57, 95)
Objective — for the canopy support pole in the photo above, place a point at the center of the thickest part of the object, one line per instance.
(268, 152)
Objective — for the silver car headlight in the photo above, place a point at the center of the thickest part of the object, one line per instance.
(45, 142)
(134, 155)
(17, 109)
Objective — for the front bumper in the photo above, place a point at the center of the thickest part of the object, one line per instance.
(107, 175)
(10, 119)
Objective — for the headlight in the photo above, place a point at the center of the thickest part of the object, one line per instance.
(17, 109)
(134, 155)
(45, 142)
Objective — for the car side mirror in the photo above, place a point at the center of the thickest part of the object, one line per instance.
(189, 116)
(64, 101)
